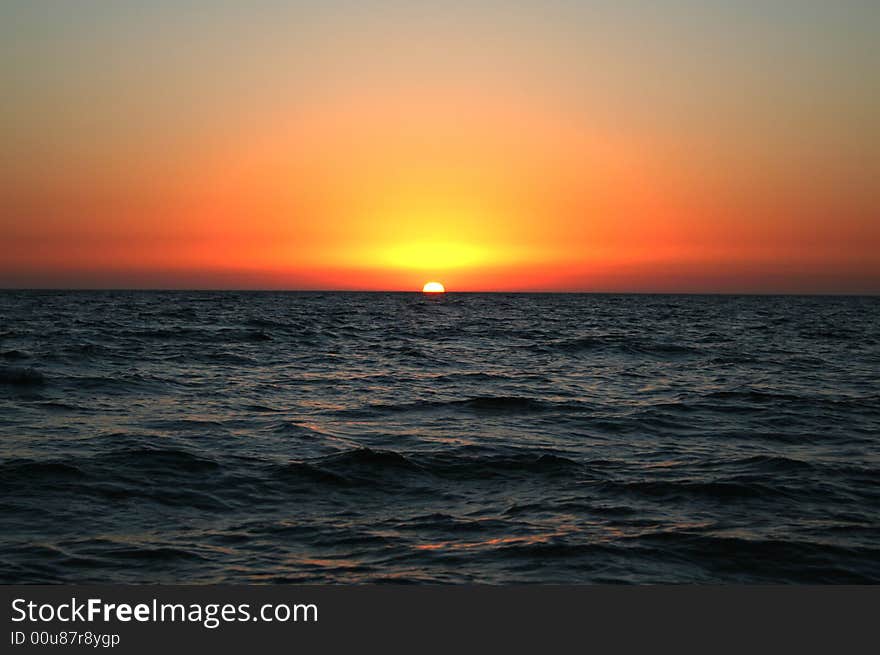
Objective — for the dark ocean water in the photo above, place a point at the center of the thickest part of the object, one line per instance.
(342, 437)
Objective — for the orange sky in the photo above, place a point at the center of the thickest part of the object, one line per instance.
(487, 149)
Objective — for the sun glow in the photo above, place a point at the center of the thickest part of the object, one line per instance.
(433, 287)
(433, 255)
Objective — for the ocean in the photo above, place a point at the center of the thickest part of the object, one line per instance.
(262, 437)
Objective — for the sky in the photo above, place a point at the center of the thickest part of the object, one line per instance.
(626, 145)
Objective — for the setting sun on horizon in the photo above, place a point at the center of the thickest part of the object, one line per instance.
(375, 145)
(433, 287)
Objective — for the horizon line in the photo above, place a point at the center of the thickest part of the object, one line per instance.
(420, 292)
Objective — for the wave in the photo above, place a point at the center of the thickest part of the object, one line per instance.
(16, 354)
(29, 469)
(624, 343)
(230, 358)
(752, 397)
(771, 464)
(299, 471)
(201, 335)
(260, 408)
(371, 459)
(459, 465)
(781, 560)
(22, 377)
(372, 468)
(118, 384)
(167, 460)
(149, 553)
(719, 490)
(504, 404)
(262, 322)
(479, 404)
(55, 405)
(86, 349)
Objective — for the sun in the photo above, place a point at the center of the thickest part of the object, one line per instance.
(433, 287)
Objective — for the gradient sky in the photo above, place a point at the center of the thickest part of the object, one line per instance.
(523, 145)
